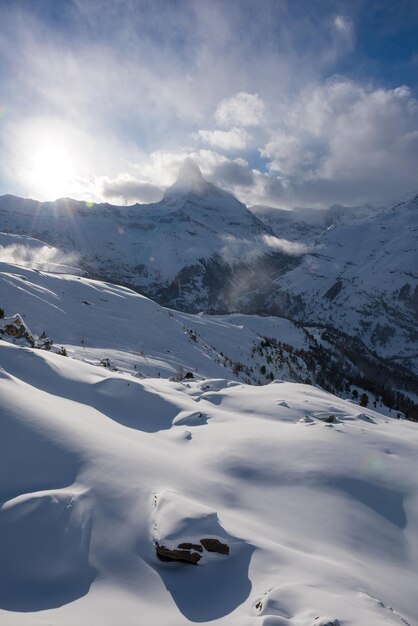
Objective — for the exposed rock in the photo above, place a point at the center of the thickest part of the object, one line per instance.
(214, 545)
(15, 327)
(184, 556)
(46, 345)
(190, 546)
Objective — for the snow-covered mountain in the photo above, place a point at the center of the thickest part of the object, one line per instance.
(361, 276)
(299, 224)
(194, 250)
(199, 249)
(303, 224)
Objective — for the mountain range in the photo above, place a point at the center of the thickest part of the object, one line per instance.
(200, 249)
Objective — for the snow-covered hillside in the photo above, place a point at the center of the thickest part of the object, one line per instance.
(314, 502)
(103, 323)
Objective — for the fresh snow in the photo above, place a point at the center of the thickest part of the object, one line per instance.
(98, 466)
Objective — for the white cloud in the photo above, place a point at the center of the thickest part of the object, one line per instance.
(284, 245)
(342, 141)
(243, 109)
(234, 139)
(287, 155)
(343, 25)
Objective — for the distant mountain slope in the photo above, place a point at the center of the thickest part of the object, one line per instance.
(305, 224)
(361, 276)
(299, 224)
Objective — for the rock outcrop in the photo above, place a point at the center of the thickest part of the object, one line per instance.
(184, 556)
(16, 328)
(214, 545)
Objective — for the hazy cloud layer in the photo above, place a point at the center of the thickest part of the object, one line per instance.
(276, 101)
(127, 190)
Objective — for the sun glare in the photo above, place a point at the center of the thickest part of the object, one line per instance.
(51, 169)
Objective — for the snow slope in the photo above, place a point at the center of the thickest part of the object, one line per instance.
(96, 320)
(320, 517)
(106, 324)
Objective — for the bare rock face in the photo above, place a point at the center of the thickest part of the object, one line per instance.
(188, 552)
(183, 556)
(190, 546)
(214, 545)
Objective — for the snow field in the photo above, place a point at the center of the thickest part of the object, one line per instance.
(97, 465)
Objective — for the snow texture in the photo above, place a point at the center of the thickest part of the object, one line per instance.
(97, 466)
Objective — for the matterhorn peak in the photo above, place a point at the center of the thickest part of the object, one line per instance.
(189, 179)
(189, 174)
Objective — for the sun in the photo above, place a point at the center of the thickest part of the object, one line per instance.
(48, 158)
(51, 168)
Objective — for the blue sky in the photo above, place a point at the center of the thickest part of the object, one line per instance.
(282, 102)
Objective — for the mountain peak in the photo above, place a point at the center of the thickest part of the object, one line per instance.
(189, 179)
(189, 174)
